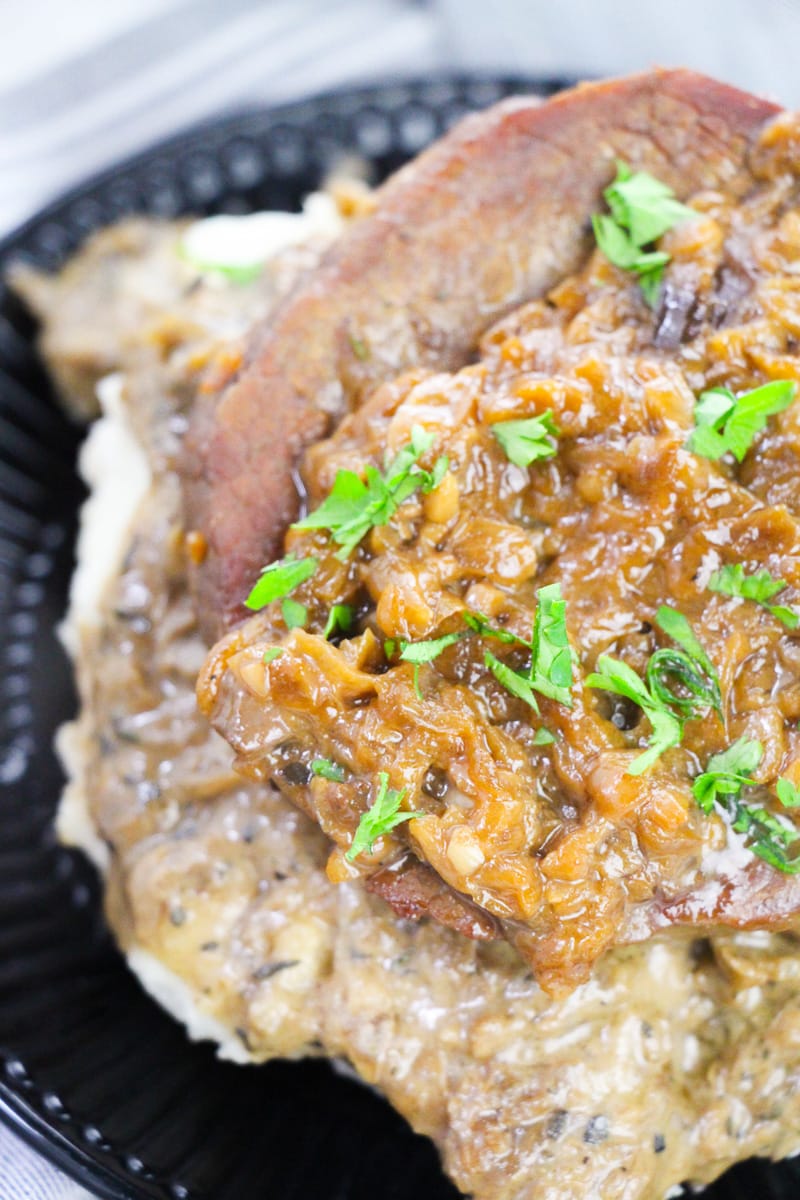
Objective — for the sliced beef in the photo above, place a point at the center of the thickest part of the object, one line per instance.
(414, 891)
(493, 214)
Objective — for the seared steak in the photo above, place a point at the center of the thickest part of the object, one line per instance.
(563, 844)
(493, 214)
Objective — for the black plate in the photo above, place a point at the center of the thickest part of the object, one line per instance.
(92, 1073)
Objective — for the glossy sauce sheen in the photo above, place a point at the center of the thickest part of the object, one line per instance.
(677, 1058)
(560, 845)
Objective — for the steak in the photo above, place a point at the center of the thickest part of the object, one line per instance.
(490, 216)
(535, 809)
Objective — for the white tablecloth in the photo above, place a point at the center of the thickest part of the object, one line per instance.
(84, 82)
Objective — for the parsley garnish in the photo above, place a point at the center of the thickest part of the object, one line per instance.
(551, 659)
(550, 671)
(481, 625)
(769, 836)
(271, 653)
(325, 768)
(731, 580)
(543, 737)
(727, 773)
(359, 347)
(617, 677)
(726, 423)
(340, 619)
(356, 505)
(425, 652)
(380, 818)
(642, 209)
(279, 579)
(690, 667)
(528, 440)
(294, 613)
(788, 793)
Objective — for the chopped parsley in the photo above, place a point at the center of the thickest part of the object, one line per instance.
(481, 625)
(294, 613)
(325, 768)
(271, 653)
(731, 580)
(620, 679)
(355, 505)
(359, 347)
(642, 209)
(725, 423)
(527, 440)
(517, 682)
(727, 773)
(543, 737)
(550, 671)
(690, 667)
(382, 816)
(340, 620)
(279, 579)
(788, 793)
(666, 709)
(551, 658)
(425, 652)
(768, 834)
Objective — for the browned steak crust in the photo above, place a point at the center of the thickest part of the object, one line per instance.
(493, 214)
(414, 890)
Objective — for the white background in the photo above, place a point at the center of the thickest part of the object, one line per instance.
(83, 82)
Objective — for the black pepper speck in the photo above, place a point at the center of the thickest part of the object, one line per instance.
(267, 970)
(297, 773)
(556, 1123)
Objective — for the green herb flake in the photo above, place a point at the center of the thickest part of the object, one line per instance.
(526, 441)
(340, 620)
(768, 834)
(725, 423)
(325, 768)
(551, 657)
(355, 505)
(642, 209)
(425, 652)
(513, 681)
(788, 793)
(550, 671)
(690, 668)
(279, 579)
(383, 816)
(623, 252)
(270, 654)
(294, 613)
(727, 773)
(620, 679)
(481, 625)
(543, 737)
(644, 205)
(359, 347)
(731, 580)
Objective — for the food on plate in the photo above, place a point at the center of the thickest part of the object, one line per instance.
(504, 484)
(491, 215)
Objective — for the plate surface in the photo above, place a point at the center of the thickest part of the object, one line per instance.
(91, 1071)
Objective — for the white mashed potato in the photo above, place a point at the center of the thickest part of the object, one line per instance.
(115, 467)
